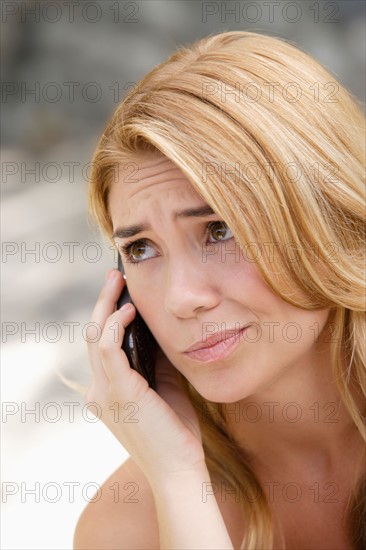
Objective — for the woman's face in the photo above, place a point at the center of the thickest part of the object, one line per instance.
(188, 280)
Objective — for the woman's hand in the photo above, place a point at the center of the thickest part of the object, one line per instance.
(160, 430)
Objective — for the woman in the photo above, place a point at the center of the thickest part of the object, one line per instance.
(230, 180)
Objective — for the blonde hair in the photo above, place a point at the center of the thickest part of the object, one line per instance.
(275, 145)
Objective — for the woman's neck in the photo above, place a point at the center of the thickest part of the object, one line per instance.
(301, 416)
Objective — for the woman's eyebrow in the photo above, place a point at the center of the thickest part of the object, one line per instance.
(131, 230)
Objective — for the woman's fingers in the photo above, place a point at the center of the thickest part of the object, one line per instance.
(113, 358)
(108, 361)
(108, 296)
(104, 307)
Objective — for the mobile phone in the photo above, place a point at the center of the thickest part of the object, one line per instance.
(138, 343)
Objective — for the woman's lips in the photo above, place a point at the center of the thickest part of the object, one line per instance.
(218, 351)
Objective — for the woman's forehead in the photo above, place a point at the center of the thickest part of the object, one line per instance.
(152, 181)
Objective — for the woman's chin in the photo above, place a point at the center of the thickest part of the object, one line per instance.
(220, 393)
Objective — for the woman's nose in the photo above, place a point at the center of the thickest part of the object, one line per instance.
(190, 288)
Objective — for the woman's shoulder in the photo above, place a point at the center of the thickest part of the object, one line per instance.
(123, 515)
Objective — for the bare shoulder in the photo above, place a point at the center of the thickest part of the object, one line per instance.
(124, 516)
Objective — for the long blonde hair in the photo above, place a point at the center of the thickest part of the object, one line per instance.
(275, 145)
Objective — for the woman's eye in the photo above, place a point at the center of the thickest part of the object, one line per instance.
(219, 231)
(137, 251)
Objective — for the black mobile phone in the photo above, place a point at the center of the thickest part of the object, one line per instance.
(138, 343)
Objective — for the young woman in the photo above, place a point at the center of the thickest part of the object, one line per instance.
(231, 181)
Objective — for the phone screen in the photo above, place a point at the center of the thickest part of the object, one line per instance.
(138, 343)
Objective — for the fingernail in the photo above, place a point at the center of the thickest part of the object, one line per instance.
(127, 307)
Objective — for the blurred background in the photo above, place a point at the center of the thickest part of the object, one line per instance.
(65, 66)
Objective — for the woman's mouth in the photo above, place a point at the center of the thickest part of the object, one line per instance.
(219, 350)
